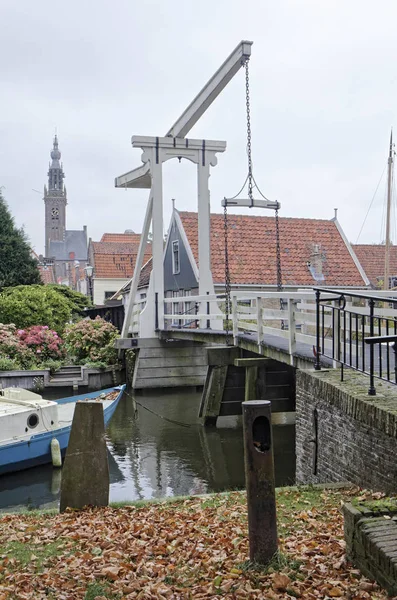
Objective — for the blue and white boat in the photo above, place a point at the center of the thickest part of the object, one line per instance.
(28, 424)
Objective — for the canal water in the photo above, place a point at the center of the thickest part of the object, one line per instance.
(157, 448)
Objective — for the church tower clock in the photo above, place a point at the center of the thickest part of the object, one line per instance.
(55, 201)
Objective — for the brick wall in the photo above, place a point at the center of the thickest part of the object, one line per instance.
(342, 434)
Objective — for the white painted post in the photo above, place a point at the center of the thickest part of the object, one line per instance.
(235, 318)
(206, 285)
(259, 320)
(128, 318)
(158, 241)
(291, 329)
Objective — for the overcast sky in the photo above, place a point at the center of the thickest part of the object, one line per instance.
(323, 100)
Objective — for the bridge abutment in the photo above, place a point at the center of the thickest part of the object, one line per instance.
(342, 434)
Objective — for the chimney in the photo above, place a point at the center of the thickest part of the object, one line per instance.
(316, 260)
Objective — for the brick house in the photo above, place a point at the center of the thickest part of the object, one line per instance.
(372, 259)
(313, 252)
(113, 259)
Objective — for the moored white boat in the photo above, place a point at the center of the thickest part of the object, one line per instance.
(28, 424)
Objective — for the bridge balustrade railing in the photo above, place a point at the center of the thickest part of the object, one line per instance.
(269, 315)
(192, 311)
(138, 308)
(358, 331)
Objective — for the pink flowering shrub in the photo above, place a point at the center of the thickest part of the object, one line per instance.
(31, 347)
(45, 343)
(92, 340)
(13, 348)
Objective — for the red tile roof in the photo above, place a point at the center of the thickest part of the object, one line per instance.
(116, 260)
(121, 237)
(252, 250)
(372, 259)
(144, 277)
(47, 274)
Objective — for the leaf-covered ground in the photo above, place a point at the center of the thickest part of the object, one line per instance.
(193, 548)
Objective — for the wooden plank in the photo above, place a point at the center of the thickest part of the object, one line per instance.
(275, 392)
(275, 331)
(222, 355)
(173, 352)
(176, 371)
(251, 362)
(214, 391)
(278, 378)
(162, 362)
(166, 343)
(162, 382)
(247, 326)
(233, 394)
(251, 376)
(245, 310)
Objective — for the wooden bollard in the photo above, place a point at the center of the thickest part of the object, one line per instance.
(259, 480)
(85, 474)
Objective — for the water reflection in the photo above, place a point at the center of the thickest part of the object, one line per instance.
(157, 448)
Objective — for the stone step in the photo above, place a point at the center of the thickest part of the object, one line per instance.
(68, 376)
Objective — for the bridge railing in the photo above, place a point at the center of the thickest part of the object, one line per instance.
(193, 311)
(283, 315)
(362, 328)
(138, 308)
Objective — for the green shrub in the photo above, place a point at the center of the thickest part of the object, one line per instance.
(92, 341)
(96, 365)
(27, 305)
(8, 364)
(53, 365)
(78, 302)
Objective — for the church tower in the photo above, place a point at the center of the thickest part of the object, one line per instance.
(55, 201)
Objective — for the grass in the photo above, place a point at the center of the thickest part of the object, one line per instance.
(279, 562)
(381, 505)
(180, 548)
(24, 553)
(99, 589)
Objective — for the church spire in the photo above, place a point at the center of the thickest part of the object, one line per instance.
(55, 173)
(55, 201)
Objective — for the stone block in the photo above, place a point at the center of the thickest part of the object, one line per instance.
(85, 474)
(371, 544)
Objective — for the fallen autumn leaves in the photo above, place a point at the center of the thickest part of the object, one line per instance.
(194, 548)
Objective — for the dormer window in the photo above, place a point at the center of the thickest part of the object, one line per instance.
(176, 267)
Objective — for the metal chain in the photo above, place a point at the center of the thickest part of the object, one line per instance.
(227, 276)
(249, 150)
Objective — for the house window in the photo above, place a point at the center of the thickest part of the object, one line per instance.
(176, 267)
(392, 282)
(109, 295)
(178, 308)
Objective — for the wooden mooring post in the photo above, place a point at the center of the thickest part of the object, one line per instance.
(259, 480)
(219, 360)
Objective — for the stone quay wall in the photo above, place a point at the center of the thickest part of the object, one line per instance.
(342, 434)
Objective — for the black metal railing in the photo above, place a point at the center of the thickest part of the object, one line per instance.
(114, 314)
(353, 331)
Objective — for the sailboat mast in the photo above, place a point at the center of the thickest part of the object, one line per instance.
(388, 211)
